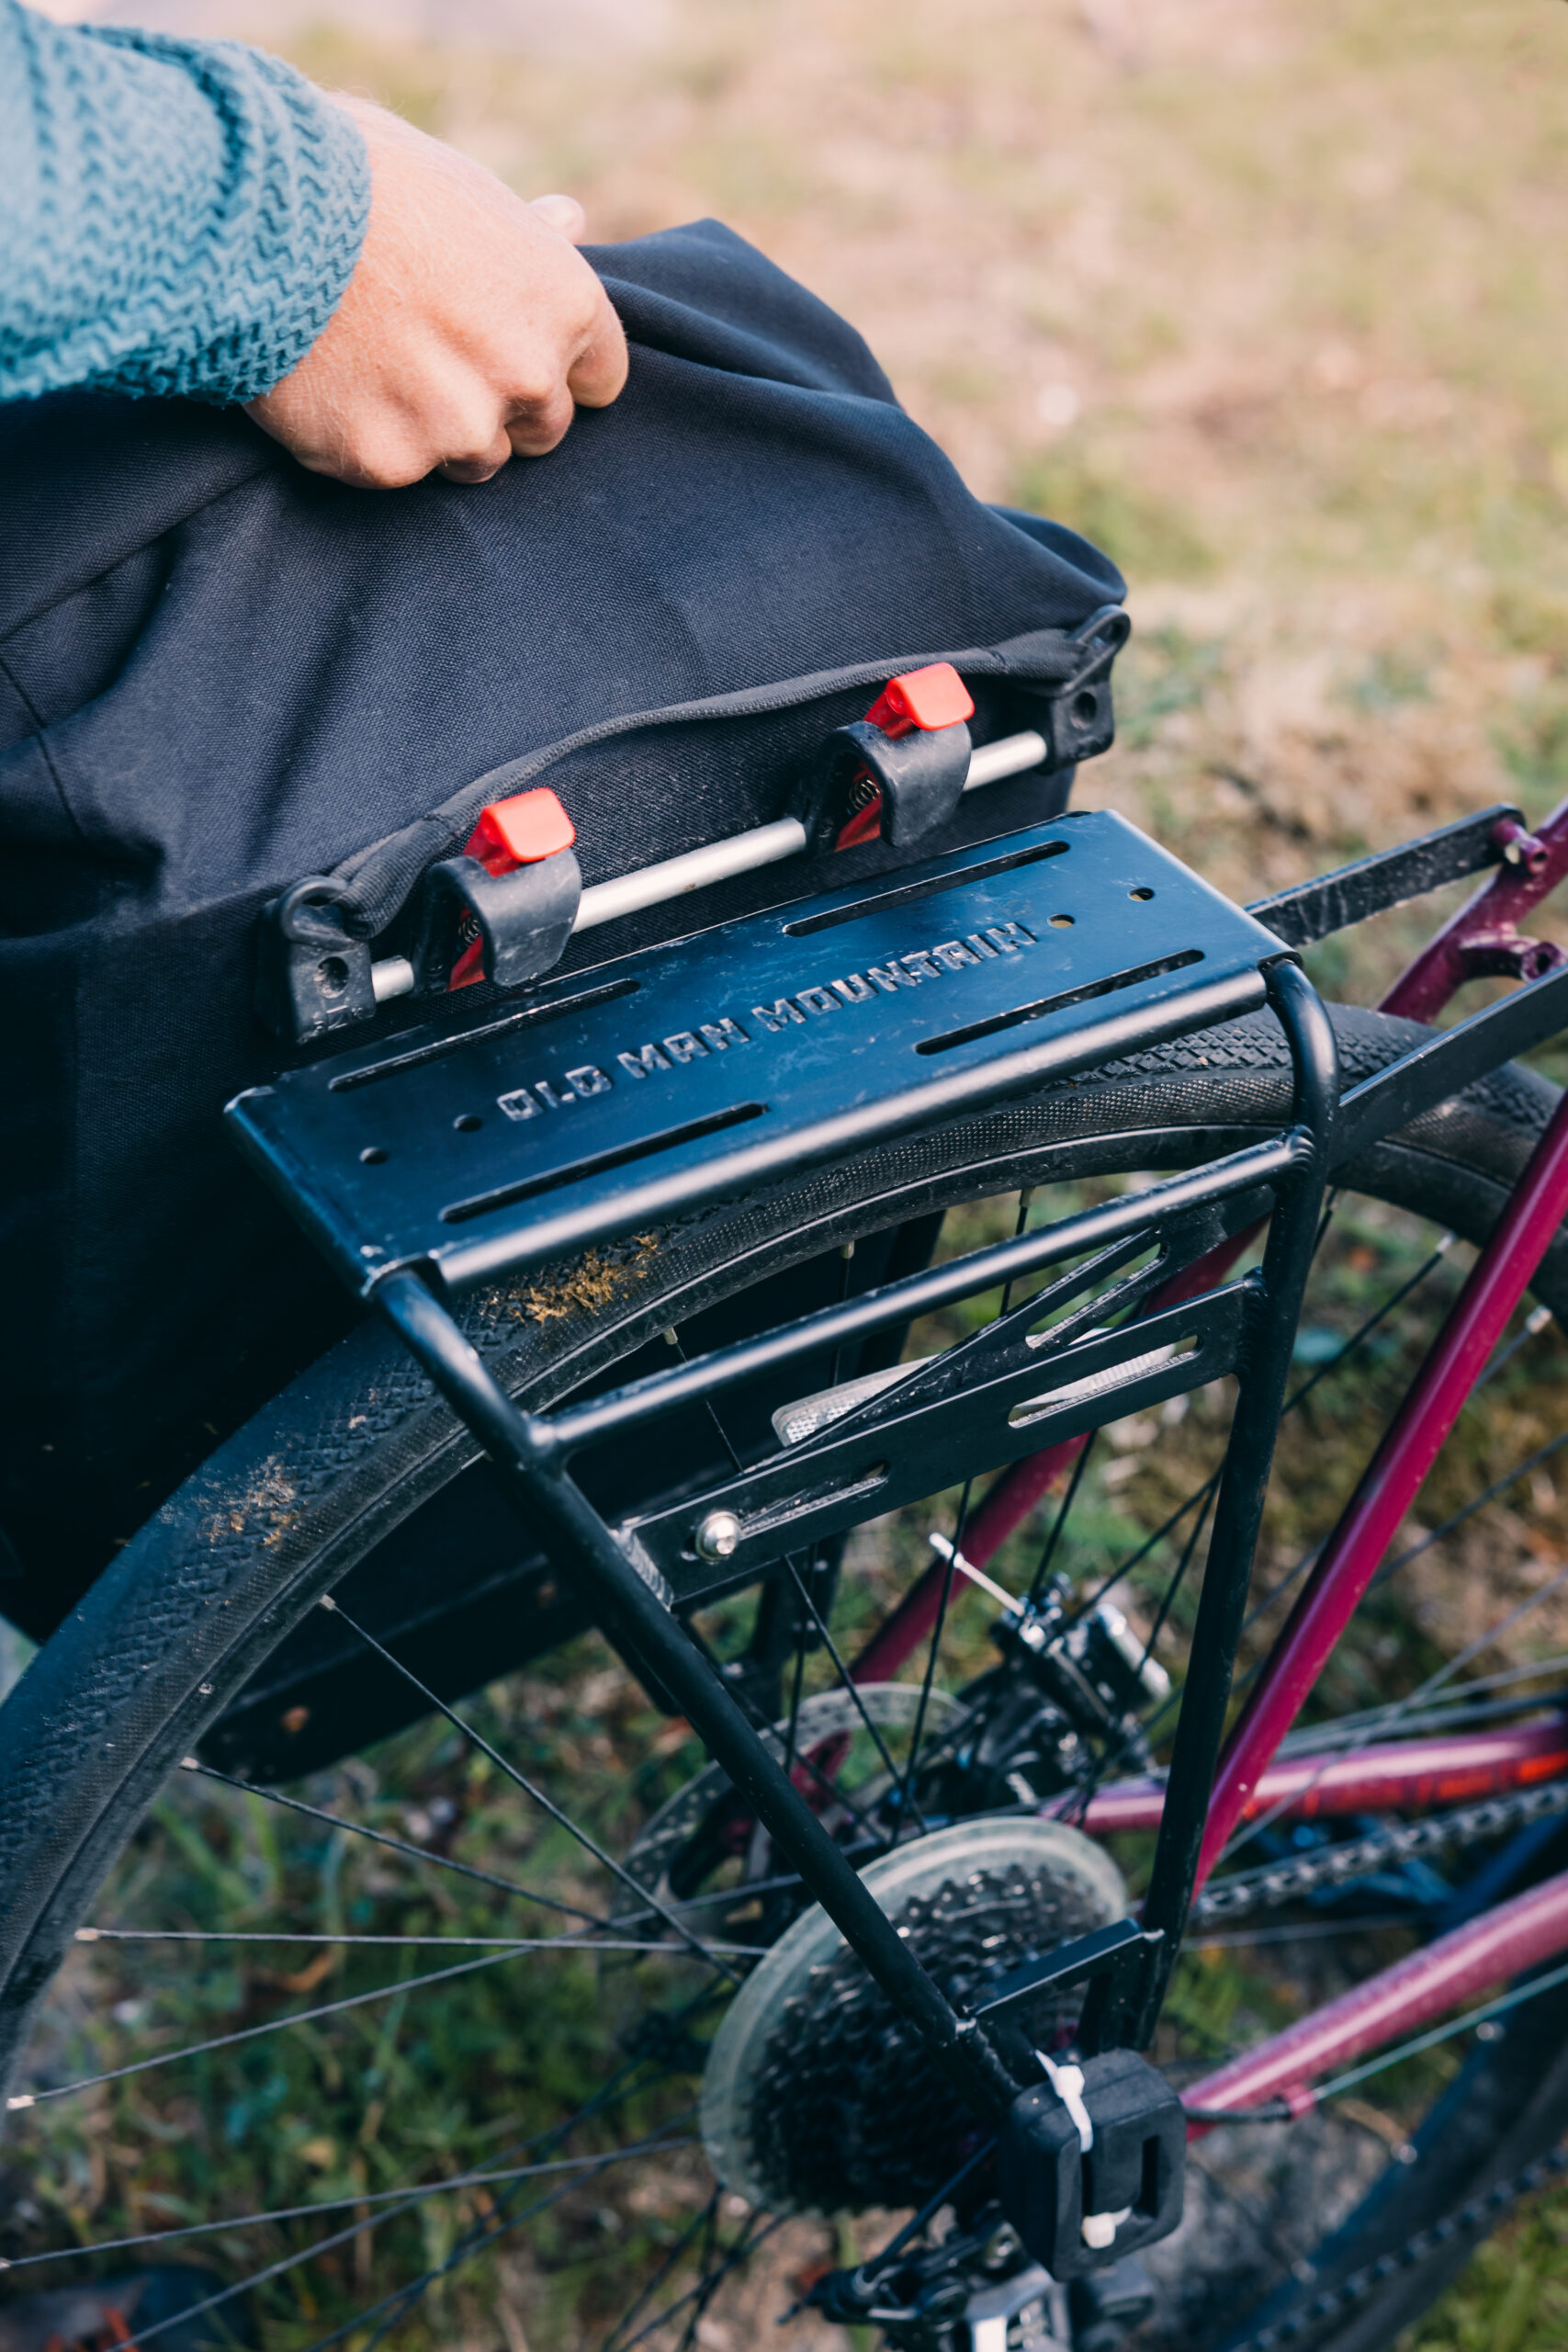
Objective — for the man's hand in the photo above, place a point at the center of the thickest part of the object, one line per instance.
(468, 331)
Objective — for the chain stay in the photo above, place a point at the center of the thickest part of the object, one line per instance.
(1279, 1882)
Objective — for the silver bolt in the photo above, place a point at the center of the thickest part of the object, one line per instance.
(718, 1535)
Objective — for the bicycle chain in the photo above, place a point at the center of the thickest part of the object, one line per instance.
(1277, 1883)
(1479, 2215)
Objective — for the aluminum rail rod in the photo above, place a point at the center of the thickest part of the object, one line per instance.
(650, 885)
(676, 878)
(833, 1327)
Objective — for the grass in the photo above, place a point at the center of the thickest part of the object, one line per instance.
(1265, 296)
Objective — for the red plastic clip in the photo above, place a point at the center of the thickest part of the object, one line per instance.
(935, 696)
(519, 832)
(928, 698)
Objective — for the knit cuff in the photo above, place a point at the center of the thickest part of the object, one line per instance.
(283, 233)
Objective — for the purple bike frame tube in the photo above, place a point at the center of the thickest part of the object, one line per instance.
(1407, 1775)
(1392, 1480)
(1486, 1951)
(1488, 918)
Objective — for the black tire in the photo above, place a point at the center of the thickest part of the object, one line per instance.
(174, 1630)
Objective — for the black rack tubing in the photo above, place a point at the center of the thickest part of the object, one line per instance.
(655, 1646)
(1452, 1060)
(973, 1087)
(1386, 1101)
(1238, 1511)
(660, 1392)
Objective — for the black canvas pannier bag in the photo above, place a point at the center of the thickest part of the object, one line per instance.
(219, 673)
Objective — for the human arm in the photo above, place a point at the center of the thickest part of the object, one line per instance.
(194, 218)
(176, 216)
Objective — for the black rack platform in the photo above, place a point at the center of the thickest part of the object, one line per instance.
(690, 1071)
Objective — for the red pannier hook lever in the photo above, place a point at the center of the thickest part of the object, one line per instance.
(926, 699)
(522, 830)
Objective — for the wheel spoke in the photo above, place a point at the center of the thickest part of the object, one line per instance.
(1468, 1510)
(1346, 1730)
(1203, 1495)
(1174, 1586)
(610, 2095)
(672, 1339)
(1025, 1198)
(491, 2227)
(381, 1837)
(1113, 1754)
(843, 1674)
(1310, 1558)
(23, 2099)
(530, 1788)
(746, 2246)
(671, 2262)
(1394, 1717)
(1364, 1331)
(510, 2174)
(283, 1935)
(802, 1628)
(907, 1786)
(1058, 1525)
(710, 2278)
(401, 2299)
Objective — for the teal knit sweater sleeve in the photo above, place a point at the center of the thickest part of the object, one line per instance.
(175, 216)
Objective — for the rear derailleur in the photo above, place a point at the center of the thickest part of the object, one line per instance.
(978, 2290)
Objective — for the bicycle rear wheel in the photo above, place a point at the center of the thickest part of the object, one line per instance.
(302, 1505)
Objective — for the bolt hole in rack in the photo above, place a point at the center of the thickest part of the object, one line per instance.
(616, 1100)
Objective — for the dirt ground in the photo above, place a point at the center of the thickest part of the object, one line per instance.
(1267, 296)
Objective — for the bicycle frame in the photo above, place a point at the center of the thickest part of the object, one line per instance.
(1481, 939)
(629, 1572)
